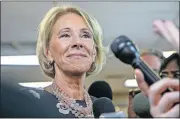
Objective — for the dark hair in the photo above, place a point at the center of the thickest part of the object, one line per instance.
(154, 52)
(174, 56)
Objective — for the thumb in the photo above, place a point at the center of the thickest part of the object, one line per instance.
(141, 82)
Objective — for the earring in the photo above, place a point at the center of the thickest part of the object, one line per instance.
(51, 62)
(93, 67)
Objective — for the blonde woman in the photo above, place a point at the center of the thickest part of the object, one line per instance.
(69, 49)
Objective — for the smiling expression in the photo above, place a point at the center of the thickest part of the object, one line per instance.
(72, 46)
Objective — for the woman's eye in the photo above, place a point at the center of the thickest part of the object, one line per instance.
(86, 36)
(64, 35)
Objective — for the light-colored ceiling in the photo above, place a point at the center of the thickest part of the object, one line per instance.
(19, 22)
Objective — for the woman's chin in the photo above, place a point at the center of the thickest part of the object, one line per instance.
(78, 69)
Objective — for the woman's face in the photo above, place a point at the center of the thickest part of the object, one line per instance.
(171, 70)
(72, 46)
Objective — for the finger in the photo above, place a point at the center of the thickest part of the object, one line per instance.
(130, 98)
(159, 87)
(174, 112)
(136, 91)
(176, 86)
(167, 101)
(161, 29)
(133, 93)
(141, 82)
(174, 32)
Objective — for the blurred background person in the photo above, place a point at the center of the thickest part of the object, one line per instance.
(153, 58)
(171, 67)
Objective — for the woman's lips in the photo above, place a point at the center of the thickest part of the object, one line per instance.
(77, 55)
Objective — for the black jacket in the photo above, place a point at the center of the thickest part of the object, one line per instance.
(21, 102)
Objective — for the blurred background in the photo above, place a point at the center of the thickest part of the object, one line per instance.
(20, 20)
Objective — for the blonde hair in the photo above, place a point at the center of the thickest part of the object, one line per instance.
(45, 33)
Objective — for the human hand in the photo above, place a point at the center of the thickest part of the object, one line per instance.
(132, 94)
(167, 30)
(161, 105)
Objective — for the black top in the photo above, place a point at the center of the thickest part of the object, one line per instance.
(30, 103)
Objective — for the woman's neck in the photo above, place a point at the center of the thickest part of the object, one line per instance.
(72, 85)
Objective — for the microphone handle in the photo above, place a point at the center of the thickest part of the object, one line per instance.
(149, 75)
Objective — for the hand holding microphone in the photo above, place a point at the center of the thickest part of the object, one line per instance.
(161, 105)
(125, 50)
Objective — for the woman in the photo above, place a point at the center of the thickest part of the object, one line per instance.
(69, 49)
(171, 67)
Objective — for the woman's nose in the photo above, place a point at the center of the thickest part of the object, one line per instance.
(77, 46)
(77, 43)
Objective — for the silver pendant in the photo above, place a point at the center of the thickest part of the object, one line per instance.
(62, 109)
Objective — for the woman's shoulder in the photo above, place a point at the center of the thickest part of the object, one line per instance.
(26, 102)
(37, 93)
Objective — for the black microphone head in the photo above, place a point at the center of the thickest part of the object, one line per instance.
(141, 107)
(100, 89)
(124, 49)
(102, 105)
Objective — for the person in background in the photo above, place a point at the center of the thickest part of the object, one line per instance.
(153, 58)
(163, 105)
(171, 67)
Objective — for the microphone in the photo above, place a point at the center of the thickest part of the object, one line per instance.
(104, 108)
(140, 105)
(125, 50)
(102, 105)
(100, 89)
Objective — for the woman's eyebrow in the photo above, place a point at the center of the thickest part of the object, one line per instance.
(64, 29)
(85, 30)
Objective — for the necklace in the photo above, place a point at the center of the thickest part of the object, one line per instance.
(67, 104)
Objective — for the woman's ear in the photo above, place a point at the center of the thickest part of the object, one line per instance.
(48, 54)
(94, 53)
